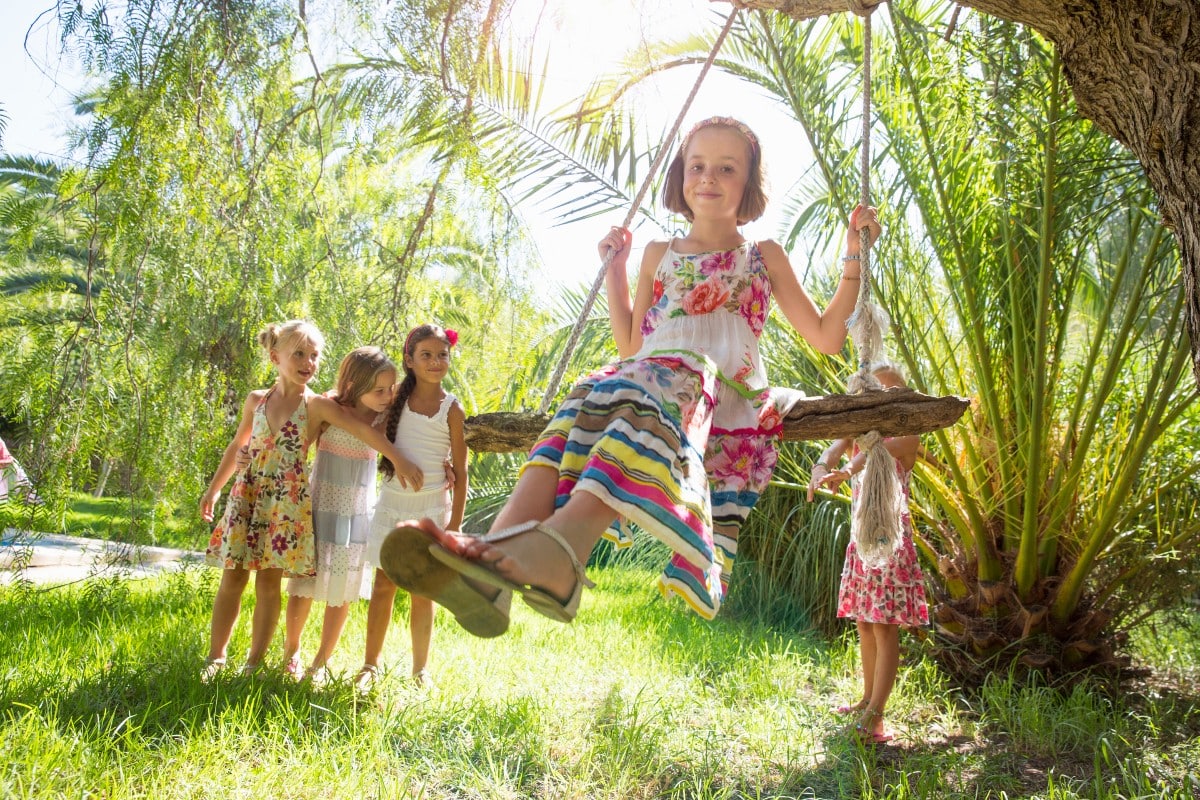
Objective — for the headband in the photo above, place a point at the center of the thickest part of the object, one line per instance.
(451, 337)
(727, 122)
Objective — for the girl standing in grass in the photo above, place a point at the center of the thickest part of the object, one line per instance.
(343, 498)
(882, 599)
(426, 422)
(267, 525)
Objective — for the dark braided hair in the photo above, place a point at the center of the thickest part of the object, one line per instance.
(414, 338)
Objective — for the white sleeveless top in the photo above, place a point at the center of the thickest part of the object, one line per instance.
(426, 442)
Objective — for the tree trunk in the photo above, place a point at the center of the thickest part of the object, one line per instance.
(1135, 70)
(890, 412)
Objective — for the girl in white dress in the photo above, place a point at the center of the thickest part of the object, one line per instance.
(426, 423)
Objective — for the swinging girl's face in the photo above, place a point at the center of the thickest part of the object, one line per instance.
(716, 168)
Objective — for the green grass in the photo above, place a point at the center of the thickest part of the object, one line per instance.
(99, 697)
(123, 520)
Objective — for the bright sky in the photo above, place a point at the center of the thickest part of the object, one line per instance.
(35, 96)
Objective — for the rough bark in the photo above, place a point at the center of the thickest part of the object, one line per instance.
(1134, 68)
(892, 412)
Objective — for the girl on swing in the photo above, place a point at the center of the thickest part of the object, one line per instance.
(678, 438)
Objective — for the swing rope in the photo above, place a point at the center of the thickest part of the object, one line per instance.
(877, 531)
(655, 166)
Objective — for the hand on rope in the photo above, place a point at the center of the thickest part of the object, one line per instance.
(614, 248)
(862, 218)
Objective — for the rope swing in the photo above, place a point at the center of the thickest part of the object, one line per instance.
(877, 514)
(865, 412)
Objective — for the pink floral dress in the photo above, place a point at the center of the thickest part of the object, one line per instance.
(268, 518)
(895, 594)
(681, 439)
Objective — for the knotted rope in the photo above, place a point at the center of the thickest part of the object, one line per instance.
(655, 166)
(876, 522)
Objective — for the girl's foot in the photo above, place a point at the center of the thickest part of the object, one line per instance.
(869, 728)
(294, 667)
(531, 558)
(365, 680)
(210, 669)
(317, 676)
(423, 678)
(854, 709)
(249, 669)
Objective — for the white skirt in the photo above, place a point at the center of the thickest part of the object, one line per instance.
(396, 506)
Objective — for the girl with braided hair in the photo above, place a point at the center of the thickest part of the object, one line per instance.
(426, 424)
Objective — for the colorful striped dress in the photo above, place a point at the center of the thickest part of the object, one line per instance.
(680, 439)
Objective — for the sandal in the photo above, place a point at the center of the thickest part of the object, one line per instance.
(294, 668)
(210, 669)
(317, 676)
(864, 733)
(364, 682)
(539, 600)
(405, 557)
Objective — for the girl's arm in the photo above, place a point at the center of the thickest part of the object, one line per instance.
(624, 316)
(456, 418)
(324, 410)
(902, 448)
(826, 331)
(228, 465)
(825, 470)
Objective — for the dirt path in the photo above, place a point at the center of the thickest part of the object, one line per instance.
(53, 558)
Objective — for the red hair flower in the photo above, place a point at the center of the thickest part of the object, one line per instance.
(451, 337)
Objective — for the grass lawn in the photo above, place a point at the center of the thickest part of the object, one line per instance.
(100, 698)
(110, 518)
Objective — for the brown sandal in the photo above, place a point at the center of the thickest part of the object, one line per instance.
(405, 557)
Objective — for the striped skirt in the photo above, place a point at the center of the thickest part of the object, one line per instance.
(639, 435)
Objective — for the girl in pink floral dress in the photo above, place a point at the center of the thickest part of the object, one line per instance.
(678, 438)
(879, 600)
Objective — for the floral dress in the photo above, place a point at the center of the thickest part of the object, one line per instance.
(268, 518)
(680, 439)
(895, 594)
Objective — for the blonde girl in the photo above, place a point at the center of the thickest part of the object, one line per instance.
(879, 600)
(267, 524)
(426, 423)
(343, 498)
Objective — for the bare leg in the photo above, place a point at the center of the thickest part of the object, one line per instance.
(531, 498)
(331, 632)
(226, 607)
(420, 629)
(379, 616)
(866, 650)
(293, 625)
(266, 613)
(530, 558)
(887, 664)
